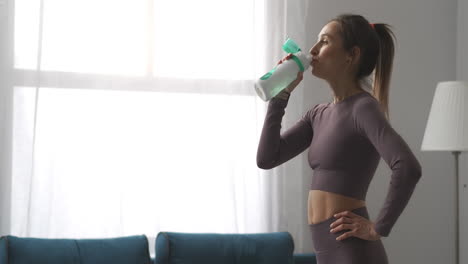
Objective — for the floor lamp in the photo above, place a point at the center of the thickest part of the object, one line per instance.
(447, 130)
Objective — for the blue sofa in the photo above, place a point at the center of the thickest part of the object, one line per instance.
(121, 250)
(262, 248)
(171, 247)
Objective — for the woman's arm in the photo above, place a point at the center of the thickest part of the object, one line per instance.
(275, 148)
(406, 170)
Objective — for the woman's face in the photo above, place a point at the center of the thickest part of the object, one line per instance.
(330, 60)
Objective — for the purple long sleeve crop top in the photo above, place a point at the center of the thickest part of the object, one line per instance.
(345, 141)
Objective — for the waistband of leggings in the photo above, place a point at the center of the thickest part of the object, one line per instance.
(362, 211)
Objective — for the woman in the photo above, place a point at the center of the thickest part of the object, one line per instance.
(346, 139)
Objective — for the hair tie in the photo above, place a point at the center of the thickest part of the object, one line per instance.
(372, 25)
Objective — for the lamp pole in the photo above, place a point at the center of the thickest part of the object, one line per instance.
(457, 225)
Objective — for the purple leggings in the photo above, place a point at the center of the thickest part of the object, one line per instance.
(351, 250)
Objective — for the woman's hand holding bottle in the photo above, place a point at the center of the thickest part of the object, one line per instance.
(298, 79)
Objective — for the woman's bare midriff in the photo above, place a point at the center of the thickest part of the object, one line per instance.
(323, 205)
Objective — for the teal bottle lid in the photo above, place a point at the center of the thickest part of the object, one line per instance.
(290, 46)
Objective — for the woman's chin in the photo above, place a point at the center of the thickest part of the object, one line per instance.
(314, 73)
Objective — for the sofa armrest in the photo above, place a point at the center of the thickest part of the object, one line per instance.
(3, 250)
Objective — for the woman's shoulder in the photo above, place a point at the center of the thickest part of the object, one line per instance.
(366, 103)
(321, 106)
(313, 111)
(368, 111)
(318, 108)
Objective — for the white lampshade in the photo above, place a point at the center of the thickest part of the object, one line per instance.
(447, 125)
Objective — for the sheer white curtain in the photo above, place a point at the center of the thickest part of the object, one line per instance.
(134, 117)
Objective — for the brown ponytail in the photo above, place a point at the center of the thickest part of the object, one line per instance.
(384, 66)
(376, 42)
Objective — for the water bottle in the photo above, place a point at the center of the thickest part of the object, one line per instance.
(274, 81)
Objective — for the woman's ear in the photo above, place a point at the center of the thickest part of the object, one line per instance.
(355, 54)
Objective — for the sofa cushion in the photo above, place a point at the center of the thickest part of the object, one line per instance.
(121, 250)
(212, 248)
(41, 251)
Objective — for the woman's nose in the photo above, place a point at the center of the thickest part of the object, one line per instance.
(313, 51)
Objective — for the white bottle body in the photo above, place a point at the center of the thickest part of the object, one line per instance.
(283, 75)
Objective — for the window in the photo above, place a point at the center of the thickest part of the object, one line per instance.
(135, 116)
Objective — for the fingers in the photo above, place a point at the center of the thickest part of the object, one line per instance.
(342, 220)
(345, 235)
(289, 56)
(345, 213)
(352, 227)
(343, 227)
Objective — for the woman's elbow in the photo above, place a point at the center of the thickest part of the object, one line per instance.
(410, 167)
(415, 170)
(264, 164)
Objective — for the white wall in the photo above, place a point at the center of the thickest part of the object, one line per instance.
(462, 74)
(425, 54)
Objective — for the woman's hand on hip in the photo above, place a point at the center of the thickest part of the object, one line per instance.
(298, 79)
(359, 226)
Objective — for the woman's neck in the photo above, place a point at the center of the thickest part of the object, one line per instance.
(343, 89)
